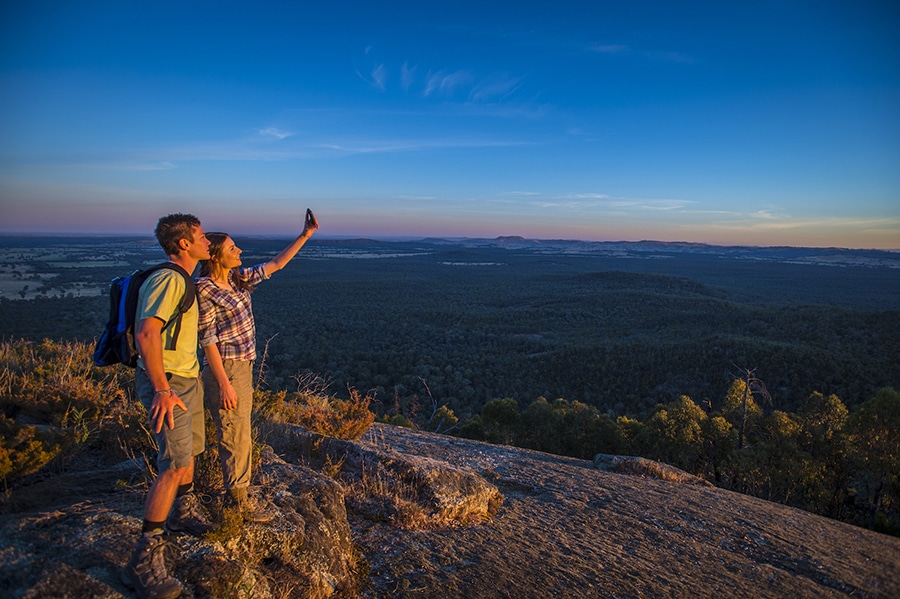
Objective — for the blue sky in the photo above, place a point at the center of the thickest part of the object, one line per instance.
(763, 123)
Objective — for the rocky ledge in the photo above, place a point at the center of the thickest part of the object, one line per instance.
(407, 514)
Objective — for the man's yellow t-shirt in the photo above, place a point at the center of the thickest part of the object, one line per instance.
(160, 297)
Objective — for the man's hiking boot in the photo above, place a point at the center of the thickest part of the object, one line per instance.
(250, 509)
(188, 517)
(146, 570)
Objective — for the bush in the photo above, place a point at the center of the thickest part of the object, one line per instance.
(54, 403)
(24, 449)
(328, 416)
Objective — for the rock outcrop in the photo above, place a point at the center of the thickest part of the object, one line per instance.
(70, 535)
(644, 467)
(384, 484)
(406, 514)
(77, 550)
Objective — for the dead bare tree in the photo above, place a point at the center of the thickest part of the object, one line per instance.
(435, 409)
(311, 383)
(263, 367)
(753, 385)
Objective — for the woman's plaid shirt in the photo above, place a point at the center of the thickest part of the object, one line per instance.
(226, 317)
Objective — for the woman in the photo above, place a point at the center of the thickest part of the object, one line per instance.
(228, 339)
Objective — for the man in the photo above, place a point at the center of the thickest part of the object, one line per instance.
(168, 384)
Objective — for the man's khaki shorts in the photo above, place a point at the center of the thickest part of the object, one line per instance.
(188, 438)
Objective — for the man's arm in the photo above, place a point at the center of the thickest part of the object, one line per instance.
(148, 339)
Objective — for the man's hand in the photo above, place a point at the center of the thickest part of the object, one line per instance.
(162, 410)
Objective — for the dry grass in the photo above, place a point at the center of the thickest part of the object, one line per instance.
(328, 416)
(55, 403)
(382, 497)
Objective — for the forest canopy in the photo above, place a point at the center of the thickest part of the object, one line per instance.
(615, 329)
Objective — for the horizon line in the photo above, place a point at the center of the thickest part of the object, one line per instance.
(410, 238)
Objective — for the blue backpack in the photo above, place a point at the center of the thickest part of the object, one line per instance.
(117, 345)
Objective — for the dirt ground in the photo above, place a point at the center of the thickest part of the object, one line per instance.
(568, 530)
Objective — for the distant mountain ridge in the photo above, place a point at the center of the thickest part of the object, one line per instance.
(823, 255)
(806, 255)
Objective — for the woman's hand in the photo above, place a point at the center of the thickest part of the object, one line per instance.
(311, 223)
(228, 396)
(285, 255)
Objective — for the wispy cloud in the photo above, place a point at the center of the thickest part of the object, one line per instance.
(272, 132)
(656, 55)
(669, 56)
(417, 198)
(407, 145)
(865, 232)
(129, 165)
(496, 87)
(239, 150)
(608, 48)
(445, 84)
(583, 201)
(442, 84)
(829, 223)
(407, 76)
(287, 146)
(379, 77)
(643, 205)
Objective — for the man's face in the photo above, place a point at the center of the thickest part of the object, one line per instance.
(199, 248)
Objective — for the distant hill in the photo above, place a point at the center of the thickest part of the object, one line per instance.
(802, 255)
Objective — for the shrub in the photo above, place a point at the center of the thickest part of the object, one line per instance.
(54, 403)
(24, 449)
(328, 416)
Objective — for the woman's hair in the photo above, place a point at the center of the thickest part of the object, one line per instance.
(216, 247)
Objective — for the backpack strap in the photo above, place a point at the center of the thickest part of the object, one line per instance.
(187, 300)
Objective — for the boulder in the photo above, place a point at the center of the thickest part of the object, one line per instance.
(409, 490)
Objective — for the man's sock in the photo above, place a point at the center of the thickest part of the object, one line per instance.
(153, 528)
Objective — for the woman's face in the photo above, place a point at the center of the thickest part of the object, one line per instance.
(230, 254)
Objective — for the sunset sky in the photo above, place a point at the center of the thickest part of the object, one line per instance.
(762, 123)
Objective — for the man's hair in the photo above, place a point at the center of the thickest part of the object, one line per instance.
(173, 228)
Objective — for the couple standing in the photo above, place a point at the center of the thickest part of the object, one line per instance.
(169, 384)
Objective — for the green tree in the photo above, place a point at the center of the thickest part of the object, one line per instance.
(824, 438)
(499, 419)
(629, 433)
(539, 427)
(780, 466)
(719, 439)
(674, 434)
(875, 443)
